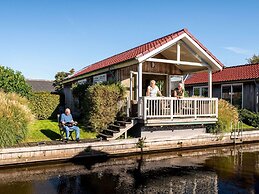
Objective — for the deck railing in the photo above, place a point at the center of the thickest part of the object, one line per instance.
(171, 107)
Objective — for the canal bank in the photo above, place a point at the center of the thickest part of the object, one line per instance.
(46, 153)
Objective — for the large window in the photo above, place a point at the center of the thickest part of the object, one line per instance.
(233, 93)
(200, 91)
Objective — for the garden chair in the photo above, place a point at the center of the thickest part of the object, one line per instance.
(62, 130)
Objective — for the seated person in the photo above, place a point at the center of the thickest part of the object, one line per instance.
(68, 124)
(153, 90)
(179, 92)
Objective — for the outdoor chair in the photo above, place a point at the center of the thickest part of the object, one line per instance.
(62, 130)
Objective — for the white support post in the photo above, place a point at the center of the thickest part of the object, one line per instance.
(178, 52)
(139, 89)
(137, 86)
(169, 85)
(210, 83)
(131, 79)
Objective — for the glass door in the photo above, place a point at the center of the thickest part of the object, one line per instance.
(233, 94)
(226, 93)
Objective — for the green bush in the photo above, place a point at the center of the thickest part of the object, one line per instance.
(249, 118)
(227, 117)
(44, 105)
(14, 118)
(13, 81)
(101, 104)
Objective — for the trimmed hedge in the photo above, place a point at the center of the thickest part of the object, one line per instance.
(227, 117)
(249, 118)
(101, 104)
(15, 116)
(44, 105)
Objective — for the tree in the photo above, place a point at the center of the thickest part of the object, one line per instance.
(60, 76)
(13, 81)
(253, 59)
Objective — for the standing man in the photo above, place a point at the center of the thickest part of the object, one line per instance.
(68, 123)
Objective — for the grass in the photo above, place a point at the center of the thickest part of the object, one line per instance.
(47, 130)
(245, 126)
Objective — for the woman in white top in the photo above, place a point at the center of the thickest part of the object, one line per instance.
(153, 90)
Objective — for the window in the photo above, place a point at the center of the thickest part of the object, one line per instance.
(233, 93)
(200, 91)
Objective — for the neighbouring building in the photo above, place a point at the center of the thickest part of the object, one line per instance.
(41, 85)
(237, 84)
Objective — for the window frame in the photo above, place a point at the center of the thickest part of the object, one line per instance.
(200, 90)
(231, 86)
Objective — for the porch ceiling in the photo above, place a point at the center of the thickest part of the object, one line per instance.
(188, 53)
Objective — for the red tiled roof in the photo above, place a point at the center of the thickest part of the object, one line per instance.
(140, 51)
(235, 73)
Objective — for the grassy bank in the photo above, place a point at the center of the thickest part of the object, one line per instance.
(47, 130)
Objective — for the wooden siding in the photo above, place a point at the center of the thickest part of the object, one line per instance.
(249, 96)
(163, 68)
(123, 74)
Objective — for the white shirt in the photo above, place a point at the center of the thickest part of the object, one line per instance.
(153, 91)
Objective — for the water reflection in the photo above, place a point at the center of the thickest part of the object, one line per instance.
(221, 170)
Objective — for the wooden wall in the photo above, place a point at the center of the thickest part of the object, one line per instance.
(123, 74)
(249, 94)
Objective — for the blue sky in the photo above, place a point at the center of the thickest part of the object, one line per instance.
(42, 37)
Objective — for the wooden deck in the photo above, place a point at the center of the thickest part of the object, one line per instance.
(159, 111)
(179, 121)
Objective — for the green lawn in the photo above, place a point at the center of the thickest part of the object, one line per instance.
(46, 130)
(247, 127)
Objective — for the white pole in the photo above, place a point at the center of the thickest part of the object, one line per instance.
(140, 80)
(178, 52)
(139, 89)
(210, 83)
(131, 76)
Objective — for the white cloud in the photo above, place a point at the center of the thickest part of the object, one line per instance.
(238, 50)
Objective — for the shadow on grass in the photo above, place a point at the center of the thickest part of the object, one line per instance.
(50, 134)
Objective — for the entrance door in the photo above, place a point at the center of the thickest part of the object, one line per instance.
(160, 82)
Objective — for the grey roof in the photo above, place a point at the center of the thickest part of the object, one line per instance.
(41, 85)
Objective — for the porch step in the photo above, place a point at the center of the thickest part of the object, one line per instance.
(115, 130)
(123, 123)
(115, 126)
(122, 131)
(112, 131)
(104, 136)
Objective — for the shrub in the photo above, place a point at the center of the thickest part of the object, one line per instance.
(13, 81)
(227, 117)
(44, 105)
(101, 104)
(249, 117)
(14, 118)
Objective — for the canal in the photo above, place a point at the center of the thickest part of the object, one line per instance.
(232, 169)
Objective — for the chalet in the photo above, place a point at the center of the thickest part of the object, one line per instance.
(237, 84)
(164, 59)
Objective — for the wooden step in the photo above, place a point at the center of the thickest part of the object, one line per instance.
(115, 126)
(105, 135)
(110, 130)
(123, 122)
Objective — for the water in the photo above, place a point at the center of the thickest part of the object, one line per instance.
(233, 169)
